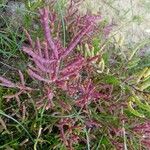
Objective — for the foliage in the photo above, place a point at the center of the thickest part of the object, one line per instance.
(79, 89)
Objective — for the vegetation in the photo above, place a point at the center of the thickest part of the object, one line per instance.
(68, 83)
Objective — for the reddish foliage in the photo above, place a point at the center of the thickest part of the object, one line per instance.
(144, 131)
(61, 68)
(68, 127)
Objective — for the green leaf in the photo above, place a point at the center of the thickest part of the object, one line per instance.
(96, 43)
(110, 79)
(133, 111)
(133, 63)
(140, 104)
(106, 57)
(145, 85)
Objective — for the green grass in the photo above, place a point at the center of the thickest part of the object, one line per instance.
(11, 42)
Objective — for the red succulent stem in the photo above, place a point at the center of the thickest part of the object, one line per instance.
(44, 19)
(76, 40)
